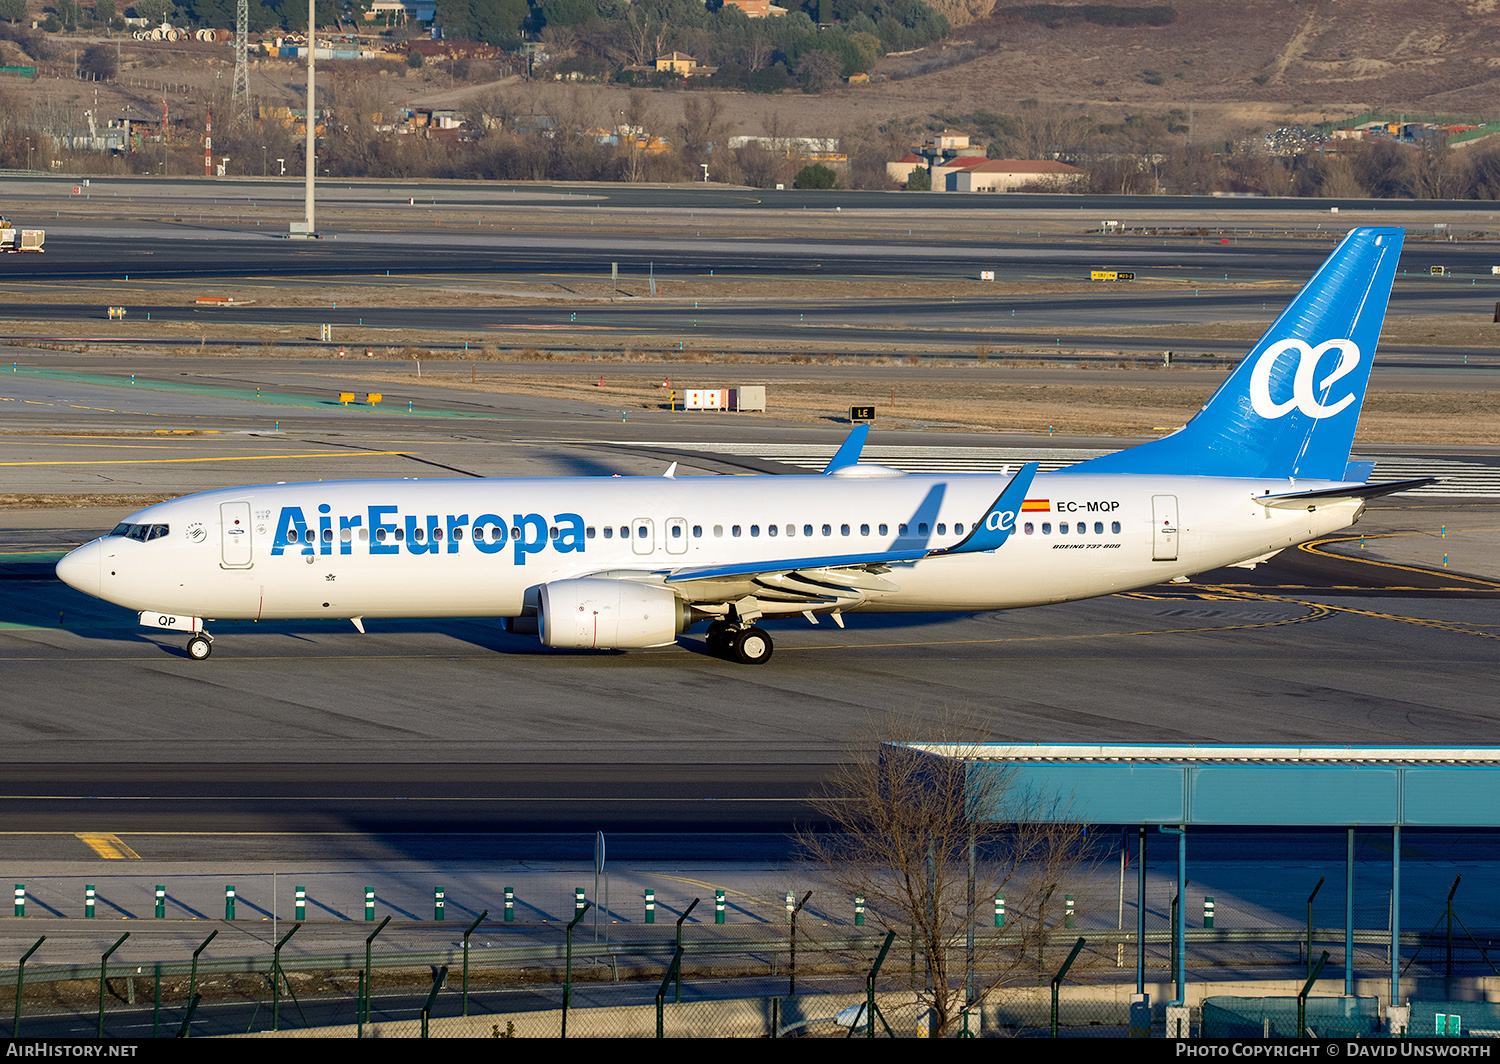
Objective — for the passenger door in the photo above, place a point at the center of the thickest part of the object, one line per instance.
(234, 534)
(1164, 530)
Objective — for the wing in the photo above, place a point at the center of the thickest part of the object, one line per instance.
(842, 580)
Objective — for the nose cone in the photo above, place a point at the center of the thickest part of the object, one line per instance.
(80, 568)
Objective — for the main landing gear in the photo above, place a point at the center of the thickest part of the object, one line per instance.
(200, 646)
(747, 645)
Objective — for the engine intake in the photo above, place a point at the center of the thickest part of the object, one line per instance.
(598, 614)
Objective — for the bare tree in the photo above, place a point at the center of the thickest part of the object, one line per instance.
(1439, 172)
(703, 129)
(490, 111)
(645, 37)
(818, 70)
(779, 132)
(930, 842)
(634, 132)
(757, 51)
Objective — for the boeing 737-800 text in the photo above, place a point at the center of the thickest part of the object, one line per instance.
(619, 562)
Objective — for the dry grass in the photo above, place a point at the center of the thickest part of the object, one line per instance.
(30, 501)
(1068, 409)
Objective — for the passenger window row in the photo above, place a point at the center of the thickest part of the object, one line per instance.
(1063, 528)
(737, 531)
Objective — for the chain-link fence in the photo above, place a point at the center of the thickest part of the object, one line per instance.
(509, 966)
(721, 984)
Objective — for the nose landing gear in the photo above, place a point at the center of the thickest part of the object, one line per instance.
(200, 646)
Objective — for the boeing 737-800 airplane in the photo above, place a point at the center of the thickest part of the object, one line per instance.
(602, 563)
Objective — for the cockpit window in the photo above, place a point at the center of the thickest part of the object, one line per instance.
(143, 533)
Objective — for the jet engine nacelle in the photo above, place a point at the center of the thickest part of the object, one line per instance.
(598, 614)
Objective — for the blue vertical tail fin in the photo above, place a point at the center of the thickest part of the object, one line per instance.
(1289, 410)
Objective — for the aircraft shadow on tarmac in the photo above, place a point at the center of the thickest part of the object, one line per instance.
(34, 597)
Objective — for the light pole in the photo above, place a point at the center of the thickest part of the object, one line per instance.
(264, 169)
(312, 120)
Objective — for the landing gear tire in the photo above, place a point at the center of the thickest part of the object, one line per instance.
(751, 647)
(718, 637)
(199, 647)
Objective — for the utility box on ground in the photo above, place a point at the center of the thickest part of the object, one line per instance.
(748, 397)
(705, 399)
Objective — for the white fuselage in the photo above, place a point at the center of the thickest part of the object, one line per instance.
(245, 553)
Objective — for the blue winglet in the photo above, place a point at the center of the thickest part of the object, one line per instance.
(991, 532)
(848, 452)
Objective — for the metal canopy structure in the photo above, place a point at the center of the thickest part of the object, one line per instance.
(1181, 786)
(1252, 786)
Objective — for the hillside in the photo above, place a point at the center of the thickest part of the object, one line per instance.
(1250, 61)
(1225, 67)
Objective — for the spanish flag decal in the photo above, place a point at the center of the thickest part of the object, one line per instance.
(1036, 505)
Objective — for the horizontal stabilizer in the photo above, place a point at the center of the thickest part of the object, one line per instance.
(1298, 499)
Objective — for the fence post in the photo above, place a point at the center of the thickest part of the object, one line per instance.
(1312, 977)
(437, 984)
(673, 969)
(276, 978)
(364, 1008)
(871, 1009)
(104, 977)
(186, 1030)
(568, 976)
(1310, 898)
(477, 921)
(792, 961)
(15, 1030)
(677, 994)
(1058, 978)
